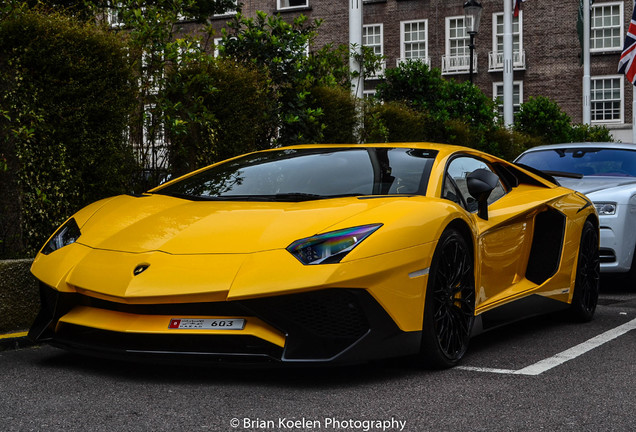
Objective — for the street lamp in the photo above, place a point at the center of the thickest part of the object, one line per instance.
(472, 16)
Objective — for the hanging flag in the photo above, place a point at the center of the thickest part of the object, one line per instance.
(517, 7)
(626, 64)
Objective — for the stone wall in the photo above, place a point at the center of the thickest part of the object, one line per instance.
(19, 297)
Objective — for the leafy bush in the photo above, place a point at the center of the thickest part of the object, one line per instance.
(508, 144)
(394, 122)
(65, 96)
(543, 118)
(215, 109)
(339, 117)
(413, 83)
(298, 77)
(587, 133)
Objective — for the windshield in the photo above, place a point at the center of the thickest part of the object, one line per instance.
(304, 174)
(585, 161)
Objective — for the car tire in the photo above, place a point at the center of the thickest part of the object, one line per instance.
(449, 308)
(586, 286)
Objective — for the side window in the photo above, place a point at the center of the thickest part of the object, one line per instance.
(455, 185)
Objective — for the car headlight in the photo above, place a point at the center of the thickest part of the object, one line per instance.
(64, 236)
(605, 208)
(331, 247)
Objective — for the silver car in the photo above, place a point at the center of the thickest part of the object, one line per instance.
(607, 175)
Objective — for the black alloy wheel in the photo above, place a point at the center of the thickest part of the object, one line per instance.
(586, 287)
(449, 310)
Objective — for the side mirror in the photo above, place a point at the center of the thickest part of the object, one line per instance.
(481, 183)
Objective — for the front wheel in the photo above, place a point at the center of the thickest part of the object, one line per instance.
(449, 309)
(586, 286)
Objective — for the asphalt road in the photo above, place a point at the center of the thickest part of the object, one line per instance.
(587, 383)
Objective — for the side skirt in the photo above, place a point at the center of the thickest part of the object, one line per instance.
(516, 311)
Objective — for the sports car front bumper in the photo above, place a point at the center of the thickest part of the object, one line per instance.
(325, 326)
(618, 240)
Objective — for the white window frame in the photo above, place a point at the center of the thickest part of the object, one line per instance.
(518, 55)
(367, 94)
(500, 84)
(153, 85)
(618, 26)
(280, 5)
(228, 12)
(152, 154)
(621, 84)
(381, 45)
(183, 52)
(403, 42)
(217, 44)
(449, 67)
(112, 15)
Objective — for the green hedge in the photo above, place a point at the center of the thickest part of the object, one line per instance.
(66, 91)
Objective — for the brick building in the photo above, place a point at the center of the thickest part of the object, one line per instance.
(546, 47)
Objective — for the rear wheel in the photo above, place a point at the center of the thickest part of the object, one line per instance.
(449, 309)
(586, 286)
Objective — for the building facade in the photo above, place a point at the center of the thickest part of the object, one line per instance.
(547, 52)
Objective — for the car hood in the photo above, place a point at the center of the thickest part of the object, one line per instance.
(588, 185)
(179, 226)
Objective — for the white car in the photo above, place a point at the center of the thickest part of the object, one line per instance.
(607, 175)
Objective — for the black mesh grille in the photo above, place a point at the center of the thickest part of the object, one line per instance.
(326, 314)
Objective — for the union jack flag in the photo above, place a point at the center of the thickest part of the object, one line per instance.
(626, 64)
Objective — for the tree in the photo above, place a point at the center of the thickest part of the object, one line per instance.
(283, 49)
(416, 85)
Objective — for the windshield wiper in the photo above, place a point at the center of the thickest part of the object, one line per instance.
(297, 196)
(283, 197)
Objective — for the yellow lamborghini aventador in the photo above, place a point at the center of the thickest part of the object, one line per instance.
(319, 254)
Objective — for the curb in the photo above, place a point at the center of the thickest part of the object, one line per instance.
(11, 341)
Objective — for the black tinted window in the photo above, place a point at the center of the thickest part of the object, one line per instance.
(586, 161)
(311, 174)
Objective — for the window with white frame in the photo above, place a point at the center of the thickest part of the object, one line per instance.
(517, 96)
(152, 72)
(288, 4)
(414, 41)
(457, 58)
(113, 15)
(606, 32)
(495, 61)
(372, 37)
(607, 99)
(368, 94)
(217, 43)
(187, 48)
(153, 152)
(228, 12)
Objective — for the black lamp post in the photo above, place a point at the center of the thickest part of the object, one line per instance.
(472, 16)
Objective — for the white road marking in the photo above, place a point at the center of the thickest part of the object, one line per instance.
(562, 357)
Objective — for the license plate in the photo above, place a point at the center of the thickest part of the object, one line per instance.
(207, 324)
